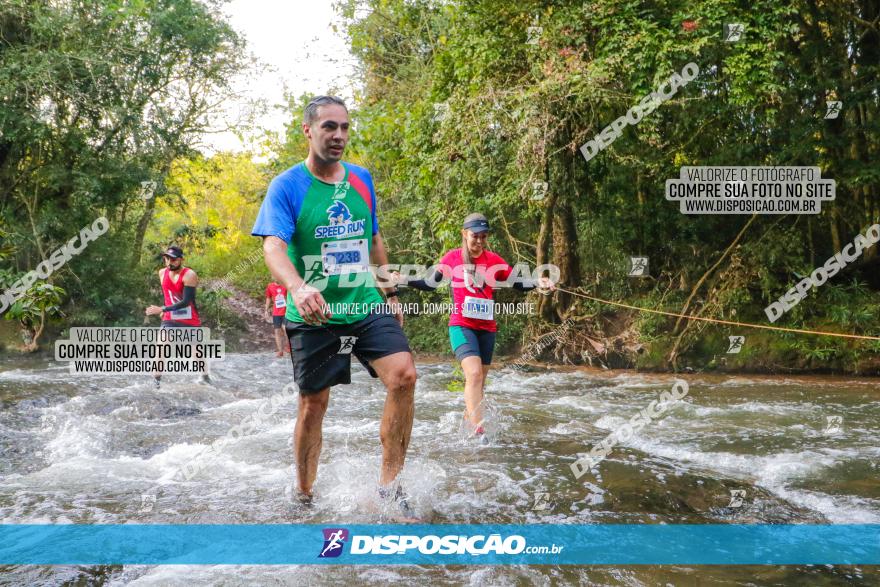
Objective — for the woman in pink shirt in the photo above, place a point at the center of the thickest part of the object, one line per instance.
(474, 272)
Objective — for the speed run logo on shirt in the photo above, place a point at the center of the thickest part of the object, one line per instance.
(334, 540)
(341, 224)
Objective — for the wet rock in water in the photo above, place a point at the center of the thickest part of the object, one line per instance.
(687, 497)
(33, 403)
(181, 412)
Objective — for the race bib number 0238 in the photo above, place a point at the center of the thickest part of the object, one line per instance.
(349, 256)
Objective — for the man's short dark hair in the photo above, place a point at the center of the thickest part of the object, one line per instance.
(310, 114)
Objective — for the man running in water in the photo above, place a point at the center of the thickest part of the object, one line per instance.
(179, 290)
(320, 235)
(276, 302)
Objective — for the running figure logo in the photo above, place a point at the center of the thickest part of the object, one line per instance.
(315, 272)
(736, 344)
(334, 540)
(736, 498)
(733, 32)
(638, 266)
(338, 213)
(346, 345)
(833, 108)
(341, 188)
(148, 501)
(542, 502)
(539, 190)
(441, 111)
(833, 424)
(148, 188)
(533, 33)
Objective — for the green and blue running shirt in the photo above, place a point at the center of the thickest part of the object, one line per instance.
(328, 228)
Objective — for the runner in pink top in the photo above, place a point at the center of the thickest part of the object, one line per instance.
(468, 289)
(475, 272)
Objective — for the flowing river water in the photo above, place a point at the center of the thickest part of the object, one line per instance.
(737, 449)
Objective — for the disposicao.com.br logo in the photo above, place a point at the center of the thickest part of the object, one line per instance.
(334, 540)
(393, 544)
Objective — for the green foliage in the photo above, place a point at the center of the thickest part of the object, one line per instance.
(101, 96)
(215, 314)
(209, 210)
(41, 300)
(516, 109)
(98, 97)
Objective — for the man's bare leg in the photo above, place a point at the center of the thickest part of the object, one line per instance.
(280, 341)
(398, 374)
(307, 438)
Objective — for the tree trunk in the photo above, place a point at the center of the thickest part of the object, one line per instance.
(562, 182)
(141, 230)
(545, 235)
(565, 256)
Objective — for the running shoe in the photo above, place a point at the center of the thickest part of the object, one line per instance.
(399, 499)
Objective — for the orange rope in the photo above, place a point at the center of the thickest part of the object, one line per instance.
(715, 320)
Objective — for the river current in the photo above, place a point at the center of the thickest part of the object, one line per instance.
(91, 449)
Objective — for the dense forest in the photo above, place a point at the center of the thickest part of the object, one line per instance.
(463, 106)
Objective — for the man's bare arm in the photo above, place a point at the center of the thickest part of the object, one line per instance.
(275, 254)
(191, 279)
(308, 300)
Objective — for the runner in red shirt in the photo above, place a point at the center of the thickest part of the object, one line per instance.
(474, 271)
(276, 301)
(179, 290)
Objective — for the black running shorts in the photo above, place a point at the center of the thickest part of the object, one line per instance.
(321, 355)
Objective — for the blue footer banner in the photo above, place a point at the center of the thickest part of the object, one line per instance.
(706, 544)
